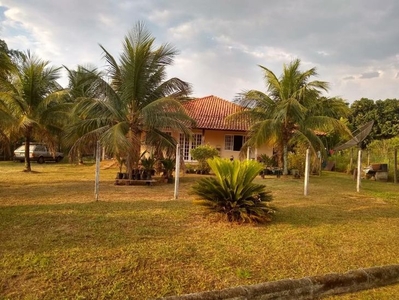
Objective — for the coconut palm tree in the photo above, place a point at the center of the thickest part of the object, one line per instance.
(6, 65)
(290, 111)
(82, 85)
(29, 97)
(136, 102)
(6, 70)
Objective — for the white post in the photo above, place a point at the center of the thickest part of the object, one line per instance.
(307, 167)
(248, 150)
(97, 178)
(359, 169)
(177, 172)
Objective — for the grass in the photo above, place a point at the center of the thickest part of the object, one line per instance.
(137, 243)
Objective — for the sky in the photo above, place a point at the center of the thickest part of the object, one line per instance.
(354, 44)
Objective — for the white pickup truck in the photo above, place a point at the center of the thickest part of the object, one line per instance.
(37, 152)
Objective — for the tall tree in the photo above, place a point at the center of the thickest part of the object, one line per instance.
(82, 86)
(6, 65)
(291, 110)
(383, 112)
(29, 97)
(138, 102)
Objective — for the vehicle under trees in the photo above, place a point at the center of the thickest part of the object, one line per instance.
(29, 99)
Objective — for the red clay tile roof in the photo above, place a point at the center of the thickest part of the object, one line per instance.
(210, 113)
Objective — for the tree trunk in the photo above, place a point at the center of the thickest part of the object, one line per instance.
(285, 159)
(80, 158)
(133, 156)
(27, 146)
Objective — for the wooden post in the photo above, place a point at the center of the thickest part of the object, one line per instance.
(359, 169)
(248, 150)
(97, 177)
(177, 172)
(307, 170)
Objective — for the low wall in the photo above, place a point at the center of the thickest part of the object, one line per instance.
(305, 288)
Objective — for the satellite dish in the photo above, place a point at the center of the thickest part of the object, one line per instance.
(358, 136)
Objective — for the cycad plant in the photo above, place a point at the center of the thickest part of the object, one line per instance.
(232, 191)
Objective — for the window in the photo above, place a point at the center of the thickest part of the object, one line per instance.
(186, 144)
(234, 142)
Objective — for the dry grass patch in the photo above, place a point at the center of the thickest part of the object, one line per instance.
(138, 244)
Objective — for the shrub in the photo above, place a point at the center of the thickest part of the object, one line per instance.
(201, 154)
(233, 193)
(168, 167)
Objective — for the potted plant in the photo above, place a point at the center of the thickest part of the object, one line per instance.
(148, 166)
(121, 162)
(168, 167)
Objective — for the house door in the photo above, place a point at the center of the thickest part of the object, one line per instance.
(186, 144)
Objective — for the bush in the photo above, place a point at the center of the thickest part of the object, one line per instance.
(201, 154)
(232, 191)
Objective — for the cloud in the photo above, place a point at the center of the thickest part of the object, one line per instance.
(221, 48)
(369, 75)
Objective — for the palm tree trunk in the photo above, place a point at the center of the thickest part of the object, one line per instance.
(133, 157)
(27, 146)
(285, 159)
(80, 157)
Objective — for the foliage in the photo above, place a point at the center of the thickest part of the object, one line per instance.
(291, 111)
(136, 101)
(232, 191)
(168, 165)
(29, 102)
(191, 168)
(82, 85)
(297, 159)
(382, 151)
(201, 154)
(268, 161)
(384, 113)
(378, 151)
(148, 163)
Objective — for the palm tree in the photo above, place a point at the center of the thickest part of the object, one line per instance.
(6, 65)
(137, 102)
(81, 86)
(29, 96)
(290, 111)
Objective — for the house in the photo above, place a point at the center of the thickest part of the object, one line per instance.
(212, 128)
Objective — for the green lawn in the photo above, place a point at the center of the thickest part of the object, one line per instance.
(138, 243)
